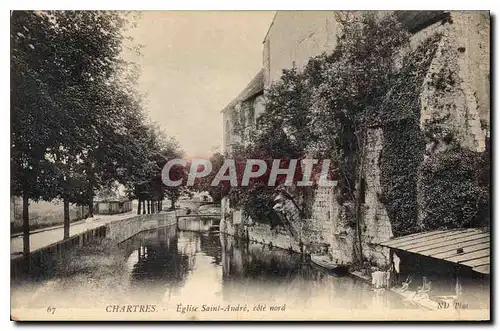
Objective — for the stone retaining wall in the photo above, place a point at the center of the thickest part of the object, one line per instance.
(121, 230)
(117, 231)
(197, 224)
(261, 233)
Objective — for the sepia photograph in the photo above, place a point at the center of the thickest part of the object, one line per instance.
(288, 165)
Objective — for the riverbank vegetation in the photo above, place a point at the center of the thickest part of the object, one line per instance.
(100, 261)
(77, 119)
(371, 81)
(325, 109)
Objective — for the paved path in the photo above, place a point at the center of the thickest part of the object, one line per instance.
(46, 238)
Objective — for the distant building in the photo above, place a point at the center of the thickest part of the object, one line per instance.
(112, 200)
(113, 206)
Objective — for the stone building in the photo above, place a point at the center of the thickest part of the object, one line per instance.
(294, 37)
(240, 116)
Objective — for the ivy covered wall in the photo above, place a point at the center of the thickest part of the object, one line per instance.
(403, 142)
(421, 102)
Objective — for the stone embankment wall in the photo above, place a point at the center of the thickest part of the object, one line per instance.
(376, 225)
(42, 259)
(261, 233)
(198, 223)
(121, 230)
(117, 231)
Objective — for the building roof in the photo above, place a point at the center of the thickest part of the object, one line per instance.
(113, 199)
(467, 247)
(256, 86)
(416, 20)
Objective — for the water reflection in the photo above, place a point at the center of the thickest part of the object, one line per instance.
(158, 262)
(173, 267)
(168, 267)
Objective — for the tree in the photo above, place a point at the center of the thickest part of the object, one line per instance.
(33, 123)
(88, 46)
(168, 150)
(77, 119)
(325, 109)
(357, 75)
(205, 183)
(143, 173)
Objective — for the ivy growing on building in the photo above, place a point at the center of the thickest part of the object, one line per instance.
(455, 189)
(403, 142)
(326, 109)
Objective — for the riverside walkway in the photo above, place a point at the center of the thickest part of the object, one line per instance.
(40, 239)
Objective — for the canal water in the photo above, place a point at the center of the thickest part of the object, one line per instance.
(177, 270)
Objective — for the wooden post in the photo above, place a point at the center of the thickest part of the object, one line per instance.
(143, 206)
(139, 207)
(149, 206)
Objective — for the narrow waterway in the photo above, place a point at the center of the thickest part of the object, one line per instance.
(191, 267)
(175, 269)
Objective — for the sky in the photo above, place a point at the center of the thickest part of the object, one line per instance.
(192, 65)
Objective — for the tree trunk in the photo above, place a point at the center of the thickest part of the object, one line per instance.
(149, 206)
(90, 188)
(359, 245)
(66, 218)
(143, 206)
(357, 202)
(26, 226)
(139, 207)
(91, 207)
(172, 203)
(153, 209)
(159, 205)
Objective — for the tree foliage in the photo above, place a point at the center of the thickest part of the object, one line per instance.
(327, 108)
(78, 123)
(324, 109)
(217, 192)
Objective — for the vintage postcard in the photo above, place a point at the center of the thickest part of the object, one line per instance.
(250, 165)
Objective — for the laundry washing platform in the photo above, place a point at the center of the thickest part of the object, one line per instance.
(329, 264)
